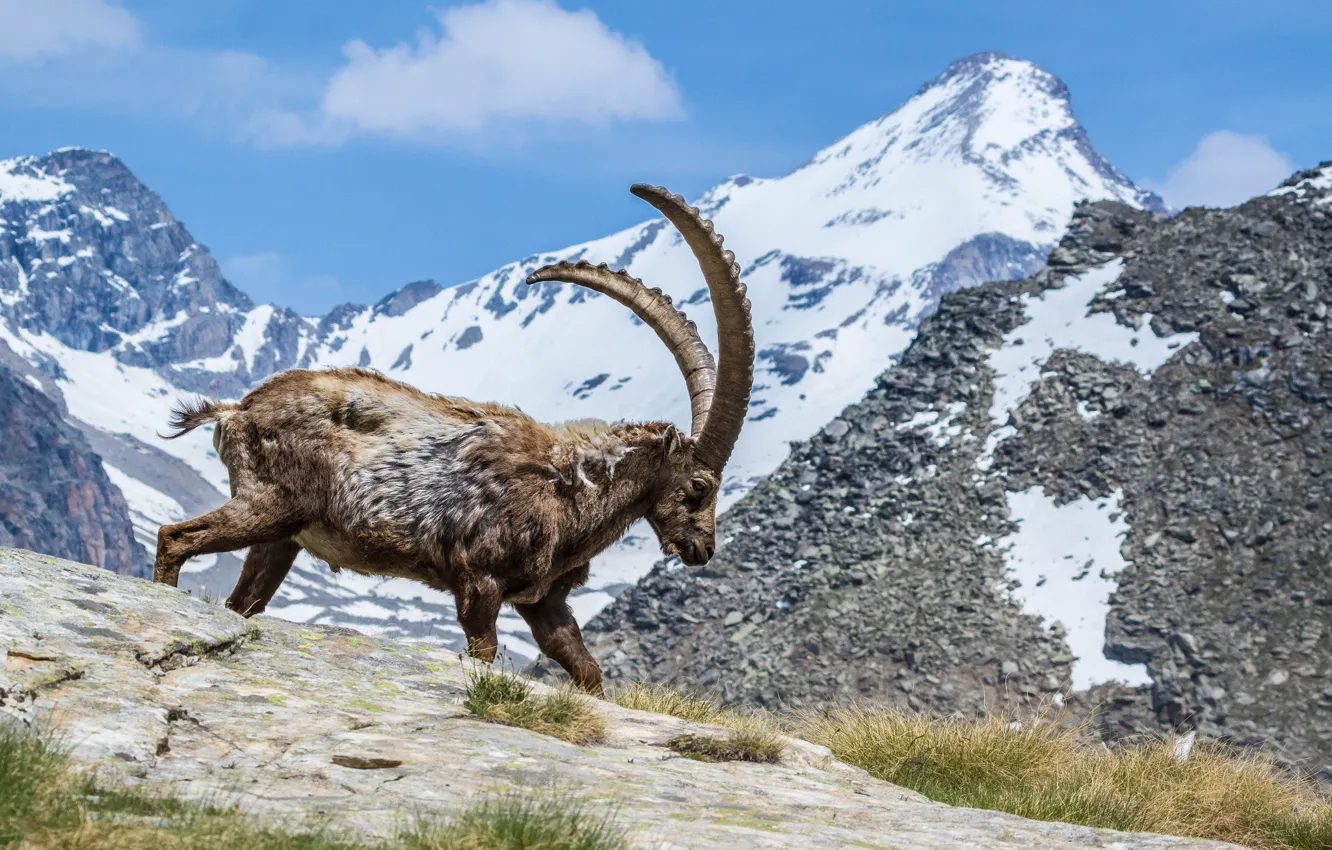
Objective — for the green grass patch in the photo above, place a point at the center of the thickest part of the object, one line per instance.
(1055, 771)
(500, 697)
(32, 768)
(45, 805)
(522, 822)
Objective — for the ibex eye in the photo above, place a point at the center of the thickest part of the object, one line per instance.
(697, 486)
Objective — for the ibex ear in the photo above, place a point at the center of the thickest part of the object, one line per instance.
(672, 443)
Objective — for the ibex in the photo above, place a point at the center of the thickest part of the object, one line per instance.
(372, 475)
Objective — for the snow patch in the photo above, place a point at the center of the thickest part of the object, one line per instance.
(157, 331)
(299, 612)
(517, 648)
(1065, 557)
(367, 609)
(585, 606)
(16, 187)
(37, 234)
(150, 509)
(252, 336)
(1322, 181)
(107, 217)
(937, 423)
(224, 362)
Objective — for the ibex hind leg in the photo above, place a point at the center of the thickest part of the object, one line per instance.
(266, 566)
(556, 632)
(243, 521)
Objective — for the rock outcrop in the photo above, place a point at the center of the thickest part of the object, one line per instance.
(1117, 469)
(54, 493)
(175, 693)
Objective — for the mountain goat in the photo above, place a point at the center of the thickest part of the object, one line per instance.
(377, 477)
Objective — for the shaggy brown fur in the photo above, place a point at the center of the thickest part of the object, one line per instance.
(372, 475)
(377, 477)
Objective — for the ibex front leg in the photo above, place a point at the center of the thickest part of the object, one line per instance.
(243, 521)
(478, 604)
(556, 632)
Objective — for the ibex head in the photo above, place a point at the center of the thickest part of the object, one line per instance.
(683, 512)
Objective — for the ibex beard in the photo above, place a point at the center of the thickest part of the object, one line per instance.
(371, 475)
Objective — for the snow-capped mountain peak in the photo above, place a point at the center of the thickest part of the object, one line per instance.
(972, 179)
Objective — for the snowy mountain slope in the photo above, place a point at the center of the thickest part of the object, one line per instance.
(972, 179)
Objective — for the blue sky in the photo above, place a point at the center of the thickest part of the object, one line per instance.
(334, 151)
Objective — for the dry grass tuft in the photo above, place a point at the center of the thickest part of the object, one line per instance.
(1049, 771)
(758, 747)
(755, 737)
(506, 699)
(696, 708)
(660, 699)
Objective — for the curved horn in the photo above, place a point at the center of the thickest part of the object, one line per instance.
(657, 312)
(735, 331)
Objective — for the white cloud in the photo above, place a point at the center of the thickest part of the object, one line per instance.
(1224, 169)
(495, 62)
(495, 65)
(32, 29)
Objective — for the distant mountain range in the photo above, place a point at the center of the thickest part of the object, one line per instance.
(111, 307)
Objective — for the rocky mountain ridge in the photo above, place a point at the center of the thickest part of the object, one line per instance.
(1112, 475)
(54, 493)
(94, 259)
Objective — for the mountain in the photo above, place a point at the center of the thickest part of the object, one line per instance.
(1109, 481)
(54, 493)
(972, 179)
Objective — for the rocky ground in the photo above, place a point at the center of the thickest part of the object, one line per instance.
(867, 565)
(172, 692)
